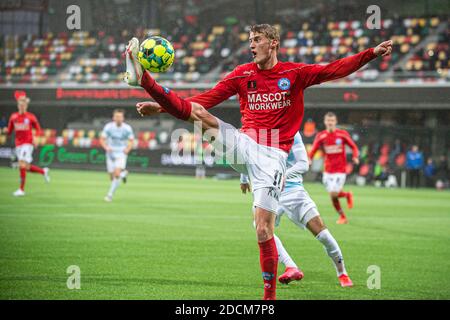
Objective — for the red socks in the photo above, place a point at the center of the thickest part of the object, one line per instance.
(337, 206)
(171, 103)
(268, 258)
(23, 175)
(342, 194)
(36, 169)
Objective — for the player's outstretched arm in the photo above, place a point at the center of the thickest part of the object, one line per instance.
(198, 113)
(315, 73)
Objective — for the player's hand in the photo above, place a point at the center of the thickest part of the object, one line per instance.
(355, 161)
(126, 151)
(148, 108)
(245, 187)
(383, 49)
(310, 162)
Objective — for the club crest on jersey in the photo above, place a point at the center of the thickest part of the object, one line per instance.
(338, 141)
(284, 84)
(26, 121)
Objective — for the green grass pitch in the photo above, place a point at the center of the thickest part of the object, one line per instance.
(169, 237)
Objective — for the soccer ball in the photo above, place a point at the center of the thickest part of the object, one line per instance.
(156, 54)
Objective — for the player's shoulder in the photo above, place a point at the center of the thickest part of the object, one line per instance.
(108, 125)
(322, 134)
(14, 115)
(288, 66)
(126, 126)
(30, 115)
(241, 71)
(342, 132)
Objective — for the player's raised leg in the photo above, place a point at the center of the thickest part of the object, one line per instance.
(337, 206)
(320, 231)
(292, 272)
(348, 196)
(137, 76)
(334, 183)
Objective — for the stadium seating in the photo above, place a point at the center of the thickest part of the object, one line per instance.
(36, 60)
(204, 53)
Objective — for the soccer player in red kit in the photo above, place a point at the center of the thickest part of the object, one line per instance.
(23, 123)
(271, 104)
(333, 141)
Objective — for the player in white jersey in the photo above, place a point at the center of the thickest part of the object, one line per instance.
(296, 203)
(117, 139)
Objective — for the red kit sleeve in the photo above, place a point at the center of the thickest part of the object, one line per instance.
(314, 73)
(10, 125)
(316, 145)
(220, 92)
(35, 125)
(351, 144)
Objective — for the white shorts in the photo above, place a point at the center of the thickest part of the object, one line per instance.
(24, 152)
(116, 161)
(298, 206)
(265, 166)
(334, 182)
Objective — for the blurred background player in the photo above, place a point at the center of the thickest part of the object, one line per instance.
(302, 210)
(117, 139)
(23, 123)
(333, 141)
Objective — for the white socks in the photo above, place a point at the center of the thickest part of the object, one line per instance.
(283, 256)
(333, 250)
(114, 184)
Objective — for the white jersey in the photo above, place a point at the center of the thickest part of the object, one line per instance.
(297, 164)
(117, 137)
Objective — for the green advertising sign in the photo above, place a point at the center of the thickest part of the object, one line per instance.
(50, 154)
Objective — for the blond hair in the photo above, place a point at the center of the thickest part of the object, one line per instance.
(269, 31)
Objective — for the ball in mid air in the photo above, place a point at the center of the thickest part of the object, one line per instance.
(156, 54)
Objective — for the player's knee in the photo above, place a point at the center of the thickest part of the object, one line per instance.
(334, 195)
(264, 231)
(22, 165)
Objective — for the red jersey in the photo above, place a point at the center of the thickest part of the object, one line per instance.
(333, 145)
(23, 125)
(271, 101)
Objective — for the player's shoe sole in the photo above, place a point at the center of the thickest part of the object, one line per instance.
(350, 200)
(134, 71)
(345, 281)
(291, 274)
